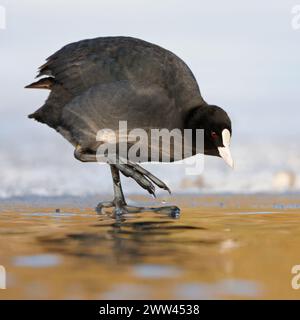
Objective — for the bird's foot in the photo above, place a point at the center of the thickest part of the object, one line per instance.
(143, 177)
(123, 208)
(119, 207)
(171, 211)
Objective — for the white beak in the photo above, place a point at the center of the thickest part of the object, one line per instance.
(225, 151)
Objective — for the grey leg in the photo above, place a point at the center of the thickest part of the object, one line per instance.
(143, 177)
(120, 206)
(119, 199)
(81, 155)
(149, 175)
(119, 203)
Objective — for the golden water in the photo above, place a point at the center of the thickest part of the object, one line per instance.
(221, 247)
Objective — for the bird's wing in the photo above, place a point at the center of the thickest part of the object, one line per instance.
(104, 106)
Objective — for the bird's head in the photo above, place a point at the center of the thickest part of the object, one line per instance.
(217, 130)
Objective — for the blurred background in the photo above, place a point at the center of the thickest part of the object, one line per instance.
(244, 55)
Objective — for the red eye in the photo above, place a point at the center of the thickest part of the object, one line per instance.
(214, 135)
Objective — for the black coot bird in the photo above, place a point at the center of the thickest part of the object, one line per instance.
(96, 83)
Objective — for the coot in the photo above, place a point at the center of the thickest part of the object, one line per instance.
(96, 83)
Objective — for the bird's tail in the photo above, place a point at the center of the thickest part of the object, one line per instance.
(45, 83)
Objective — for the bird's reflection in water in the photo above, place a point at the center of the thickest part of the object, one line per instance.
(133, 249)
(125, 239)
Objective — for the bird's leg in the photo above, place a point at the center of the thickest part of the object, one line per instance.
(146, 173)
(143, 177)
(119, 200)
(119, 203)
(84, 156)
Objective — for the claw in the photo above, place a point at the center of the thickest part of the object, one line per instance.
(138, 177)
(146, 173)
(152, 193)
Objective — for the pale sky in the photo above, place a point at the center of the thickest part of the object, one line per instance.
(245, 56)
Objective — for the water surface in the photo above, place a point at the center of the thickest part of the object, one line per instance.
(221, 247)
